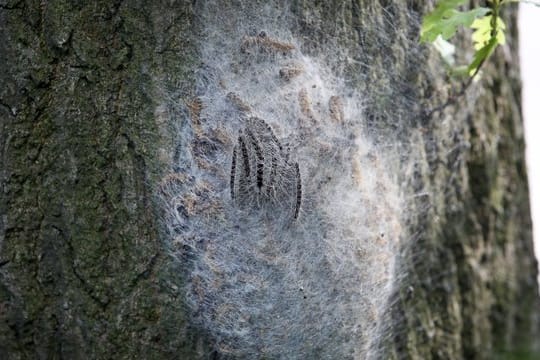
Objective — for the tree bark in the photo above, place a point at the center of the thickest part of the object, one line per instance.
(85, 271)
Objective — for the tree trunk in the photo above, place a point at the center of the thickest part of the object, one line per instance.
(243, 179)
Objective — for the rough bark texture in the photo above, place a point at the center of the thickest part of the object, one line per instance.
(83, 273)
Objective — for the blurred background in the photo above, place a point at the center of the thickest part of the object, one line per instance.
(529, 28)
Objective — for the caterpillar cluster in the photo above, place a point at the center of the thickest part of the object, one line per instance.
(262, 174)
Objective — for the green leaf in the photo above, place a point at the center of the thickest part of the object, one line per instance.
(481, 55)
(460, 71)
(445, 19)
(483, 31)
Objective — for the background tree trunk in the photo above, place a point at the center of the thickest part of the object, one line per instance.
(83, 272)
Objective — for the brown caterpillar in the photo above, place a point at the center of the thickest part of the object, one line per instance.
(265, 43)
